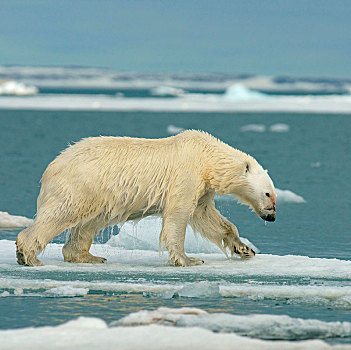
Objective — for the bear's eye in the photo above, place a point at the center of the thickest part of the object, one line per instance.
(267, 194)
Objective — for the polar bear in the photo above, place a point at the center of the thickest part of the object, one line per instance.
(101, 181)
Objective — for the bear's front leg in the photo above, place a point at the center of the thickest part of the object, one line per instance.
(216, 228)
(233, 242)
(173, 235)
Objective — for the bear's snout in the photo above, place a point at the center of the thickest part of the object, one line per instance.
(268, 217)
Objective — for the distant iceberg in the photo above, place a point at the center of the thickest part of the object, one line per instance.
(12, 87)
(242, 93)
(279, 127)
(167, 91)
(173, 130)
(12, 221)
(253, 127)
(287, 196)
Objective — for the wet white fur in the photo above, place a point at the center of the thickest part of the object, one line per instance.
(103, 181)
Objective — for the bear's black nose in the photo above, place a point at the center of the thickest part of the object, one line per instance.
(269, 217)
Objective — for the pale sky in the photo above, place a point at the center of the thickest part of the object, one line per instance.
(273, 37)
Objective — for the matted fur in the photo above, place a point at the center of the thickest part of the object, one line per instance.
(101, 181)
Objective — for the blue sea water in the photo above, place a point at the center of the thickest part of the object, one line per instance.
(312, 159)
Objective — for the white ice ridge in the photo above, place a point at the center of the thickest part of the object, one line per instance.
(144, 235)
(216, 265)
(12, 221)
(275, 327)
(283, 196)
(167, 91)
(11, 87)
(94, 333)
(187, 103)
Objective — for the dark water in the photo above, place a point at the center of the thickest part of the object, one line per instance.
(313, 160)
(29, 140)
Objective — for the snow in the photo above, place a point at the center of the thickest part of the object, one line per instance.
(264, 326)
(239, 92)
(187, 103)
(94, 333)
(12, 221)
(167, 91)
(12, 87)
(67, 291)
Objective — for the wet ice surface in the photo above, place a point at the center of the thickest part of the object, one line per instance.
(92, 333)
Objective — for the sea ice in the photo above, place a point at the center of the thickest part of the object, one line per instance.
(173, 130)
(12, 221)
(11, 87)
(66, 291)
(93, 333)
(275, 327)
(239, 92)
(287, 196)
(202, 289)
(253, 127)
(280, 127)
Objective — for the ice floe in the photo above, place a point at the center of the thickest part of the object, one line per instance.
(66, 291)
(239, 92)
(189, 102)
(253, 127)
(173, 130)
(94, 333)
(12, 87)
(279, 127)
(12, 221)
(167, 91)
(275, 327)
(287, 196)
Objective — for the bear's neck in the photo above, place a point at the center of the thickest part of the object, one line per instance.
(224, 172)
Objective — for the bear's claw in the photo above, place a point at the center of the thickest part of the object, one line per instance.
(244, 251)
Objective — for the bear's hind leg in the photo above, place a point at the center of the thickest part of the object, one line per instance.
(79, 240)
(34, 239)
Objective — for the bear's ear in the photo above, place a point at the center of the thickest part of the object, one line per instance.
(247, 168)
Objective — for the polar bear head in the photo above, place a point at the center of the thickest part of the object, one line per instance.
(257, 190)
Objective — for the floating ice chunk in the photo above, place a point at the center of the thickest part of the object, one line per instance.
(279, 127)
(287, 196)
(84, 322)
(12, 221)
(277, 327)
(162, 315)
(239, 92)
(93, 333)
(167, 91)
(12, 87)
(253, 127)
(202, 289)
(18, 291)
(67, 291)
(173, 130)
